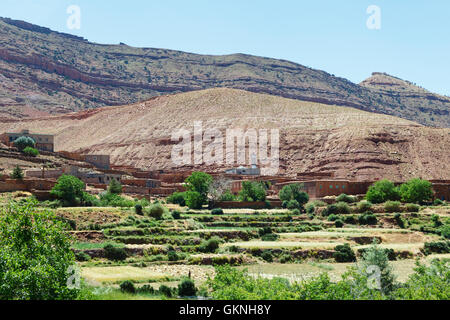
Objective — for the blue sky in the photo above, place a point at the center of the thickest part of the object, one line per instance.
(413, 42)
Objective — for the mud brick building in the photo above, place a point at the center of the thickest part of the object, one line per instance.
(101, 161)
(44, 142)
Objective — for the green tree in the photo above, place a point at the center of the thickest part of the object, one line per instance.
(194, 200)
(70, 189)
(416, 191)
(295, 192)
(22, 142)
(375, 265)
(199, 182)
(35, 254)
(382, 191)
(17, 173)
(31, 152)
(252, 191)
(114, 187)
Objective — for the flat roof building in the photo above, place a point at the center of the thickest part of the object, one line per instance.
(44, 142)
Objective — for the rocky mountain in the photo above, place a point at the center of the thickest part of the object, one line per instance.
(315, 138)
(44, 72)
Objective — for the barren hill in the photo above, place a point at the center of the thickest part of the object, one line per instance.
(314, 137)
(45, 72)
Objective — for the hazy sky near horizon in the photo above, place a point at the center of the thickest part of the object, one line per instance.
(413, 41)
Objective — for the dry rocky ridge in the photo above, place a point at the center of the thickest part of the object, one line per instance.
(45, 72)
(314, 137)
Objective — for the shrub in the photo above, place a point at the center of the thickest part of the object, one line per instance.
(367, 218)
(210, 245)
(319, 203)
(156, 211)
(114, 253)
(437, 247)
(138, 209)
(285, 258)
(265, 230)
(267, 256)
(411, 207)
(187, 288)
(330, 209)
(127, 286)
(217, 211)
(31, 152)
(293, 204)
(445, 231)
(252, 191)
(146, 288)
(294, 192)
(342, 208)
(338, 223)
(400, 221)
(382, 191)
(17, 173)
(284, 204)
(416, 191)
(194, 200)
(70, 189)
(296, 212)
(310, 208)
(350, 219)
(333, 217)
(270, 237)
(177, 198)
(343, 253)
(364, 206)
(176, 214)
(114, 187)
(82, 256)
(22, 142)
(436, 221)
(227, 196)
(165, 290)
(345, 198)
(438, 202)
(392, 206)
(115, 200)
(172, 255)
(199, 182)
(35, 254)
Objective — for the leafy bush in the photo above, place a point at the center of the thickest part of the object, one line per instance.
(267, 256)
(333, 217)
(176, 214)
(364, 206)
(252, 191)
(82, 256)
(438, 202)
(156, 211)
(330, 209)
(114, 253)
(294, 192)
(416, 191)
(35, 254)
(338, 223)
(108, 199)
(165, 290)
(227, 196)
(343, 253)
(296, 212)
(392, 206)
(128, 287)
(17, 173)
(400, 221)
(367, 218)
(22, 142)
(437, 247)
(69, 189)
(31, 152)
(310, 208)
(292, 204)
(217, 211)
(270, 237)
(342, 208)
(114, 187)
(138, 209)
(187, 288)
(382, 191)
(198, 182)
(194, 200)
(146, 288)
(345, 198)
(411, 207)
(177, 198)
(210, 245)
(445, 231)
(285, 258)
(350, 219)
(172, 255)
